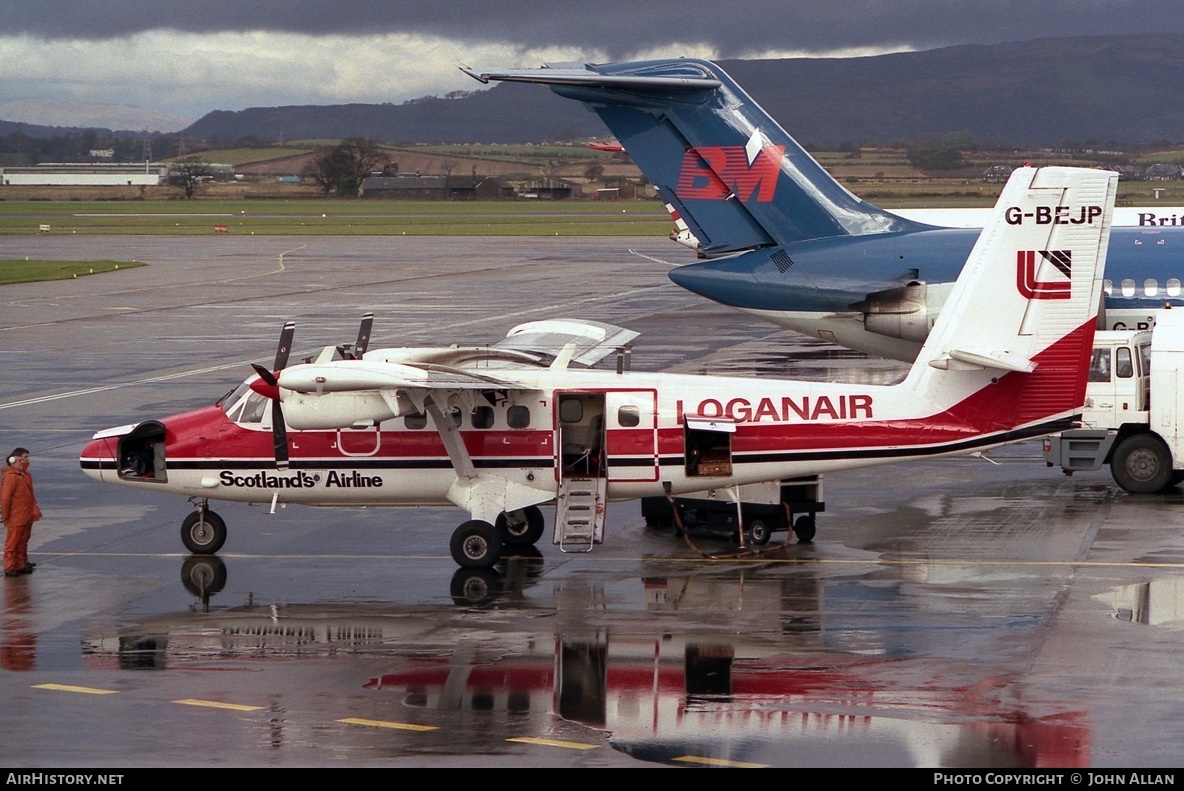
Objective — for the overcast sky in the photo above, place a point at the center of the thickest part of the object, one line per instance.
(192, 56)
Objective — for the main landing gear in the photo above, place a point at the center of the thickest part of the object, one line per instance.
(476, 544)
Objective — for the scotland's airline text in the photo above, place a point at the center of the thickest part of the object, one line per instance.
(300, 480)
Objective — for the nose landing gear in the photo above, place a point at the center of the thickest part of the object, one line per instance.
(203, 532)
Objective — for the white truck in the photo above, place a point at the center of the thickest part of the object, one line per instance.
(1134, 406)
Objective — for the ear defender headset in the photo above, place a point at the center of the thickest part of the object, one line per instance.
(12, 459)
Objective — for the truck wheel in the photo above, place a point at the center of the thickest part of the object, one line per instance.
(1142, 464)
(804, 528)
(759, 532)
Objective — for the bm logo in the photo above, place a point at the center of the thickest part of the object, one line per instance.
(1025, 274)
(747, 172)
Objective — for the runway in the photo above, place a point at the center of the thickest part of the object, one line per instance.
(950, 613)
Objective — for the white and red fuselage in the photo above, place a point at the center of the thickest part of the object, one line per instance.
(640, 431)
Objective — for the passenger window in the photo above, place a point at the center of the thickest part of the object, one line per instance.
(482, 417)
(455, 417)
(1128, 288)
(518, 416)
(1124, 365)
(628, 416)
(1099, 367)
(415, 421)
(1107, 287)
(1173, 287)
(1150, 287)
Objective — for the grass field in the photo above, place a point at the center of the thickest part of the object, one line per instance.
(25, 270)
(338, 218)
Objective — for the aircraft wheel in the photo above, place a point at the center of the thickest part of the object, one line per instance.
(524, 526)
(476, 545)
(203, 576)
(1142, 464)
(804, 528)
(759, 531)
(203, 533)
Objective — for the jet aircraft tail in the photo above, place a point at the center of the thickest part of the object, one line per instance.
(716, 157)
(1022, 313)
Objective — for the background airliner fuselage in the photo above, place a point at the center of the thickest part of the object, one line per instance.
(842, 288)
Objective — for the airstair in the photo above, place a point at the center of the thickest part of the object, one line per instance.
(579, 513)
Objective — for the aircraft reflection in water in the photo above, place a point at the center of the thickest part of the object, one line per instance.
(767, 686)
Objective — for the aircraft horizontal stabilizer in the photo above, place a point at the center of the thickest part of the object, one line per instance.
(580, 75)
(1002, 361)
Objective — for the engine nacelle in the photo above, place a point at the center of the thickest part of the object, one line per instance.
(304, 411)
(907, 312)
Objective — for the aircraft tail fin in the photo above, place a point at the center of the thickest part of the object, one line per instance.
(1022, 313)
(728, 169)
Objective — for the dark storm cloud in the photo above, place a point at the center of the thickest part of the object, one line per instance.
(620, 27)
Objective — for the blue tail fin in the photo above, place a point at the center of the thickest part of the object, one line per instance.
(736, 177)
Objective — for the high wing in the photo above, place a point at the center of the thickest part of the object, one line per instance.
(334, 377)
(387, 383)
(591, 341)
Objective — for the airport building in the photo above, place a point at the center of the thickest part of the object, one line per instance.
(66, 174)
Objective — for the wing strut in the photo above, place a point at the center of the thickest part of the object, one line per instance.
(449, 432)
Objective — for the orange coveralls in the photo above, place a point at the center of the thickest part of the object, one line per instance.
(19, 507)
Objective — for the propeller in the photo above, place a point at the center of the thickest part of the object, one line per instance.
(269, 385)
(356, 351)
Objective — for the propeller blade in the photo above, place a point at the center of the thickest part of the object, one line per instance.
(266, 375)
(279, 434)
(285, 347)
(363, 336)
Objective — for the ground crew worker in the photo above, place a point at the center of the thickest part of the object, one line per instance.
(18, 506)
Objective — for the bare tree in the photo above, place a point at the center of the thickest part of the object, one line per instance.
(187, 174)
(342, 168)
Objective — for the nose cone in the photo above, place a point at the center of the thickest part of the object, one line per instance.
(97, 457)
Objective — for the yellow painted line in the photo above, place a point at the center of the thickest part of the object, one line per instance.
(695, 759)
(402, 726)
(69, 688)
(554, 743)
(213, 704)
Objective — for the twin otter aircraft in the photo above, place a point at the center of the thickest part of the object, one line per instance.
(500, 430)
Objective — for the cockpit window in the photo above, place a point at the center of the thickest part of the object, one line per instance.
(1123, 364)
(231, 399)
(1099, 368)
(253, 410)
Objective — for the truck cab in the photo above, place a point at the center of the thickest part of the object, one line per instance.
(1118, 390)
(1130, 418)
